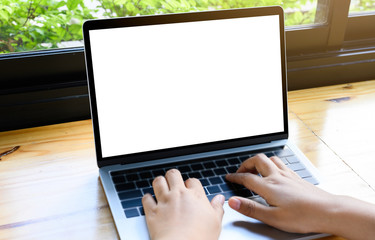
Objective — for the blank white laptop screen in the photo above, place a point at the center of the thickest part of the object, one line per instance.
(172, 85)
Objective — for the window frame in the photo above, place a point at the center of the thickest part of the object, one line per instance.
(56, 67)
(314, 54)
(358, 28)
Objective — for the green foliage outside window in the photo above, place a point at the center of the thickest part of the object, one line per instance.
(41, 24)
(362, 5)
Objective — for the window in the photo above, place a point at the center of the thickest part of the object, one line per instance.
(361, 23)
(342, 50)
(42, 61)
(362, 6)
(48, 24)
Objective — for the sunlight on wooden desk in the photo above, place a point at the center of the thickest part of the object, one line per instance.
(50, 188)
(343, 116)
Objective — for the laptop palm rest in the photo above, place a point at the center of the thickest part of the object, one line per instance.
(234, 226)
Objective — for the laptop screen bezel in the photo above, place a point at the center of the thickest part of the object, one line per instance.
(179, 18)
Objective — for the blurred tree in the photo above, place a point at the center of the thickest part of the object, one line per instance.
(40, 24)
(362, 5)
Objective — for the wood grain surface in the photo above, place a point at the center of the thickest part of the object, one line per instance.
(50, 189)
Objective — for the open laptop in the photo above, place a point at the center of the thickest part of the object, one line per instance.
(200, 92)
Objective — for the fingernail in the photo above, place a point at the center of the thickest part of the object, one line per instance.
(221, 199)
(235, 203)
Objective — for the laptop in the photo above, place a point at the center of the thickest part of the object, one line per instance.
(200, 92)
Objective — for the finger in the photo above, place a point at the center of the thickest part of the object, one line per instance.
(160, 187)
(217, 203)
(249, 180)
(193, 183)
(174, 179)
(251, 208)
(277, 161)
(148, 203)
(261, 163)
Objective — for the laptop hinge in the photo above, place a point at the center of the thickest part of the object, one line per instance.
(272, 144)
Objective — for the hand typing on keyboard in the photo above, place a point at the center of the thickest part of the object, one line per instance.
(290, 197)
(295, 205)
(182, 210)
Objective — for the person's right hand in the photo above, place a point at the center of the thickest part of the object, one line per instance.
(295, 204)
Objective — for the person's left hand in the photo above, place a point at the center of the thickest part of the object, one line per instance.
(182, 210)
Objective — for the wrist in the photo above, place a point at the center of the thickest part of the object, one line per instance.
(327, 214)
(351, 218)
(340, 215)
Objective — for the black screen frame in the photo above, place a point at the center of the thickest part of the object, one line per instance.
(179, 18)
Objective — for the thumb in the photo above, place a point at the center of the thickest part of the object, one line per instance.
(250, 208)
(217, 203)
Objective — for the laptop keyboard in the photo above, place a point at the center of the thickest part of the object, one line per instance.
(131, 185)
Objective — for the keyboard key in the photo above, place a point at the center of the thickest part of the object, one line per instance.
(303, 173)
(292, 159)
(195, 175)
(158, 172)
(142, 184)
(125, 186)
(118, 179)
(132, 177)
(116, 173)
(208, 173)
(231, 169)
(210, 197)
(228, 194)
(184, 168)
(145, 175)
(234, 161)
(185, 176)
(284, 152)
(135, 202)
(213, 189)
(284, 160)
(243, 192)
(133, 212)
(311, 180)
(209, 165)
(226, 187)
(244, 158)
(197, 167)
(220, 171)
(221, 163)
(142, 211)
(130, 194)
(224, 179)
(215, 180)
(296, 166)
(269, 154)
(149, 190)
(237, 186)
(204, 182)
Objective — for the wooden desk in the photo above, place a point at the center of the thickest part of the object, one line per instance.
(49, 187)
